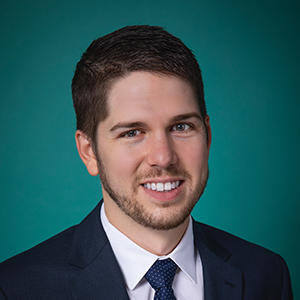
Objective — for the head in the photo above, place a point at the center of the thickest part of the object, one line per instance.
(142, 124)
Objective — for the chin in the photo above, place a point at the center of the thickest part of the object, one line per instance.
(163, 219)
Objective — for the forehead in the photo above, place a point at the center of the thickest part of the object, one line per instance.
(150, 95)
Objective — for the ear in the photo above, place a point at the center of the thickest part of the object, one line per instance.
(86, 152)
(208, 128)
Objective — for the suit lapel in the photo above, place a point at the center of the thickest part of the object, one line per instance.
(96, 272)
(222, 281)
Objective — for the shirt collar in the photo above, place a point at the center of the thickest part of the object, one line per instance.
(135, 261)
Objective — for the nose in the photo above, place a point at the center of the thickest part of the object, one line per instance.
(161, 151)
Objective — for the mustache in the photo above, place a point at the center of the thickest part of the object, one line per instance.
(159, 172)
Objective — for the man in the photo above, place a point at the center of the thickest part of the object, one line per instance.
(142, 126)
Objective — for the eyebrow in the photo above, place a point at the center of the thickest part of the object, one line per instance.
(186, 116)
(142, 124)
(127, 125)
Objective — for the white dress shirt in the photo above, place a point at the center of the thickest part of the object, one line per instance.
(135, 261)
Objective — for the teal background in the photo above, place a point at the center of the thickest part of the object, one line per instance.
(249, 55)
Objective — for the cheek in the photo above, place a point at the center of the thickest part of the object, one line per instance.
(195, 156)
(122, 160)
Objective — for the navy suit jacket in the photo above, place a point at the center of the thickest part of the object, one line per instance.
(79, 263)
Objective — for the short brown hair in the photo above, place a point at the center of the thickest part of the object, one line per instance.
(131, 48)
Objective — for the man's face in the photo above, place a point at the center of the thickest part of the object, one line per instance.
(152, 149)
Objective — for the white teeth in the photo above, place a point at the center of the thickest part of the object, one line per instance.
(168, 186)
(160, 187)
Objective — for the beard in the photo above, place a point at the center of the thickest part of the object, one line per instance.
(170, 217)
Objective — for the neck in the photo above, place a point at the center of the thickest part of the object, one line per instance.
(158, 242)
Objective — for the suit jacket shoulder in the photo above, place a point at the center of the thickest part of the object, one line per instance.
(78, 263)
(38, 270)
(263, 274)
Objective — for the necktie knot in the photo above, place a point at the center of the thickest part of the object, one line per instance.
(161, 276)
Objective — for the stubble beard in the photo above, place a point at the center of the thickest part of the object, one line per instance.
(137, 211)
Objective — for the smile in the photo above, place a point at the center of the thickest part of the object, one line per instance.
(162, 186)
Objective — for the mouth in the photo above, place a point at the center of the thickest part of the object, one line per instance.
(164, 190)
(162, 186)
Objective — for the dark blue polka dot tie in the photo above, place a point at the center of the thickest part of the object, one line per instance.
(160, 276)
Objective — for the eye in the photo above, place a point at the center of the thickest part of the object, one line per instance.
(131, 133)
(181, 127)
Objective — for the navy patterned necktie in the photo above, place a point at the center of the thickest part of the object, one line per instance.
(160, 276)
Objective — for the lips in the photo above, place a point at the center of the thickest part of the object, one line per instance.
(166, 190)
